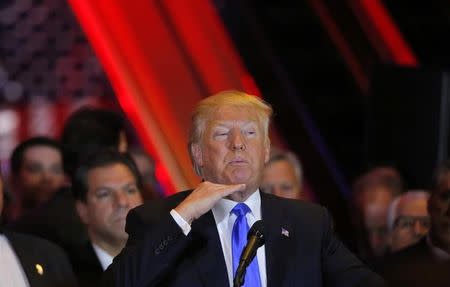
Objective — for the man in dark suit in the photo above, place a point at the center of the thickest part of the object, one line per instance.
(30, 261)
(105, 188)
(426, 263)
(85, 132)
(195, 238)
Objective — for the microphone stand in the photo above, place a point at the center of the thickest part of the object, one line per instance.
(239, 279)
(255, 239)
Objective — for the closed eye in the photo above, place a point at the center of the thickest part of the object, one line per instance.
(220, 134)
(249, 133)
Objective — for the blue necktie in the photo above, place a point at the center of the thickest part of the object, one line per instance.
(239, 240)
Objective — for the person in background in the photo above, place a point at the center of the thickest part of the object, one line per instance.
(26, 260)
(427, 262)
(36, 174)
(146, 166)
(85, 132)
(408, 219)
(195, 238)
(282, 175)
(371, 195)
(105, 188)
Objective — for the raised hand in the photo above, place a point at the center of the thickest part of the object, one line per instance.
(203, 198)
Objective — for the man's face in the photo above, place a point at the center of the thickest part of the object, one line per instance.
(111, 194)
(411, 224)
(438, 207)
(233, 148)
(279, 179)
(375, 205)
(41, 173)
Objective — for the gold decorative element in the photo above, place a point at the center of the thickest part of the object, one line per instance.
(39, 269)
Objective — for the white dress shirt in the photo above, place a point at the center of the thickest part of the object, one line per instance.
(11, 271)
(224, 222)
(104, 258)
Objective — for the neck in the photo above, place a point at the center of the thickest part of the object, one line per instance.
(241, 196)
(112, 247)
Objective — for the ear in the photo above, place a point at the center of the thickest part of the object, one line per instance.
(197, 155)
(123, 142)
(267, 152)
(82, 211)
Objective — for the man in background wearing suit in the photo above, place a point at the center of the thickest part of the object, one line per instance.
(30, 261)
(86, 131)
(194, 238)
(426, 263)
(105, 188)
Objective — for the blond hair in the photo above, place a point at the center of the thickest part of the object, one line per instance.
(231, 98)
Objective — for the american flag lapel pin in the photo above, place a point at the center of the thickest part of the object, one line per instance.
(284, 232)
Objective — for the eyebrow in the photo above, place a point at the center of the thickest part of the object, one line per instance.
(230, 123)
(127, 185)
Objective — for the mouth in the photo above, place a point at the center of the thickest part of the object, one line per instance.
(238, 161)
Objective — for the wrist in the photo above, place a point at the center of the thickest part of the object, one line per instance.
(183, 211)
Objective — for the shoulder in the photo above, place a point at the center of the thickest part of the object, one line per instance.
(32, 243)
(297, 215)
(294, 208)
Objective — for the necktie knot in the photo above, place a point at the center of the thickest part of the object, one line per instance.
(241, 209)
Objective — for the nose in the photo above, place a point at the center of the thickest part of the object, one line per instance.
(238, 143)
(122, 199)
(419, 229)
(47, 175)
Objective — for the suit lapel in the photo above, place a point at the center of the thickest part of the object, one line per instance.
(278, 240)
(209, 260)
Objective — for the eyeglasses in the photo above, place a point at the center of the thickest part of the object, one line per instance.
(408, 222)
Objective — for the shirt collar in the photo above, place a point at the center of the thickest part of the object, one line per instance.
(223, 207)
(104, 258)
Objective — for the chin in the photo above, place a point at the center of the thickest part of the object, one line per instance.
(240, 177)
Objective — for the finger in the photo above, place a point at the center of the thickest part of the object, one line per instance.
(229, 189)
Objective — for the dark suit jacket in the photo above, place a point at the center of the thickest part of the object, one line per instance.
(56, 221)
(86, 265)
(159, 254)
(415, 266)
(31, 250)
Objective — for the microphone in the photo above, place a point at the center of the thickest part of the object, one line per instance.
(255, 239)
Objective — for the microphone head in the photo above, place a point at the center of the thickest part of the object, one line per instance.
(257, 230)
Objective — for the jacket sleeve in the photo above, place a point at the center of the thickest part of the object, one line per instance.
(150, 253)
(340, 266)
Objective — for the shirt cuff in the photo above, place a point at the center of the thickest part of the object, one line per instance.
(185, 227)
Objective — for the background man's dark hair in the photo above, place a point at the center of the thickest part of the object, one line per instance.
(103, 158)
(16, 160)
(440, 174)
(88, 130)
